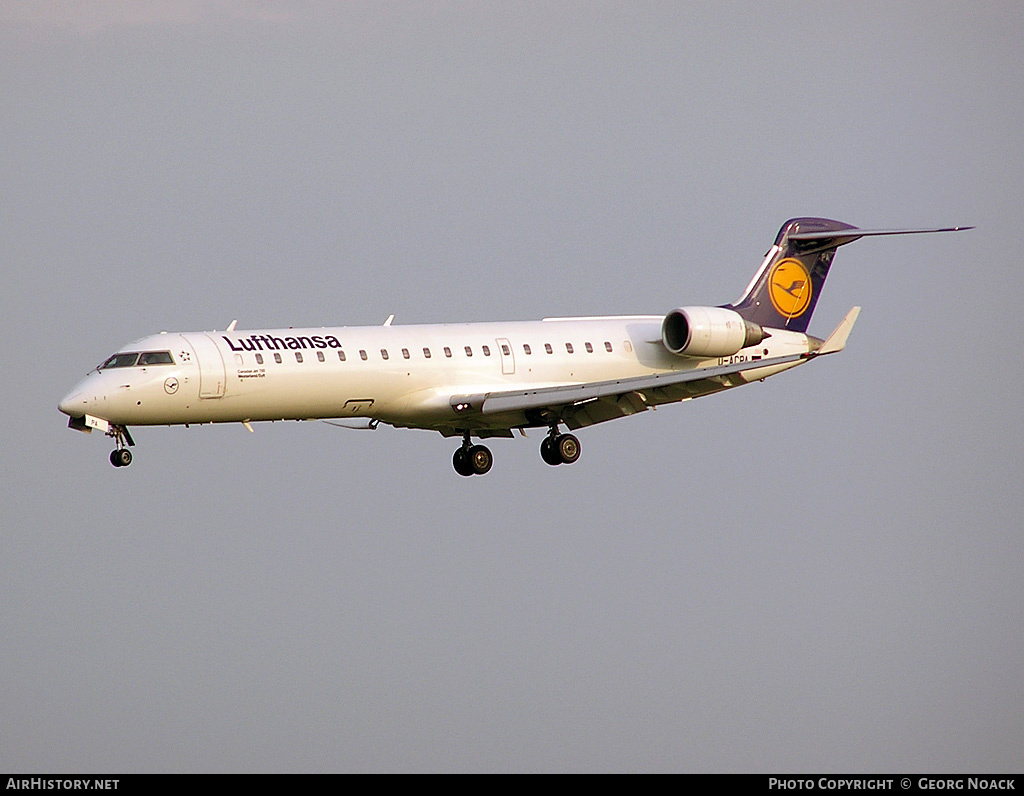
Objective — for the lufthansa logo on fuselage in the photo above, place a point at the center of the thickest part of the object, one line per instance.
(789, 287)
(170, 385)
(268, 342)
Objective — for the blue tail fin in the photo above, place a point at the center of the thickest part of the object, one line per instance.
(784, 291)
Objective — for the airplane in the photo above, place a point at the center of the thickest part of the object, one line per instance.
(478, 380)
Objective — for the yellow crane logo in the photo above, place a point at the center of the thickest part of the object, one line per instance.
(789, 287)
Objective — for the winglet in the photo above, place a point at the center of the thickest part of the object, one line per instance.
(837, 340)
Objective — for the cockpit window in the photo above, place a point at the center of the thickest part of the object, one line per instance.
(127, 360)
(120, 361)
(155, 358)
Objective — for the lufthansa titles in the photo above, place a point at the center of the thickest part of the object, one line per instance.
(267, 342)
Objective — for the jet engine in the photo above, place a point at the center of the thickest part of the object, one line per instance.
(708, 332)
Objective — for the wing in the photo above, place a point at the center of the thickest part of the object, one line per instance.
(579, 405)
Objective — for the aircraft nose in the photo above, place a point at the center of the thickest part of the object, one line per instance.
(76, 402)
(72, 404)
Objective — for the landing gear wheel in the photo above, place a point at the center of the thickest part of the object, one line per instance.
(560, 449)
(121, 457)
(549, 453)
(460, 461)
(480, 459)
(568, 448)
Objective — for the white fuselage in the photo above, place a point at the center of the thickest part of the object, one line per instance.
(401, 375)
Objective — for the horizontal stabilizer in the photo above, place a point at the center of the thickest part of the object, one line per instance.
(842, 237)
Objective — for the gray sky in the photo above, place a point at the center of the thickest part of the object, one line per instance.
(817, 573)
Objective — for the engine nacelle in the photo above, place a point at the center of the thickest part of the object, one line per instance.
(708, 332)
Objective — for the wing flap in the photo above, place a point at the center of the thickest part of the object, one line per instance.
(628, 395)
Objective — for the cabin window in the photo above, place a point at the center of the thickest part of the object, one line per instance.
(259, 359)
(405, 353)
(627, 345)
(469, 351)
(526, 348)
(426, 353)
(277, 358)
(486, 350)
(607, 346)
(298, 356)
(239, 360)
(341, 355)
(568, 347)
(383, 353)
(362, 354)
(548, 348)
(320, 355)
(589, 347)
(505, 350)
(447, 352)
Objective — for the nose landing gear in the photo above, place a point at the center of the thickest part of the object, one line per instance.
(121, 456)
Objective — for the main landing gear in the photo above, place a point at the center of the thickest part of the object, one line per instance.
(472, 459)
(121, 456)
(559, 448)
(556, 449)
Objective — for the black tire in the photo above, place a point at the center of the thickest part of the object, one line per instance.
(121, 457)
(549, 453)
(460, 461)
(480, 459)
(568, 448)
